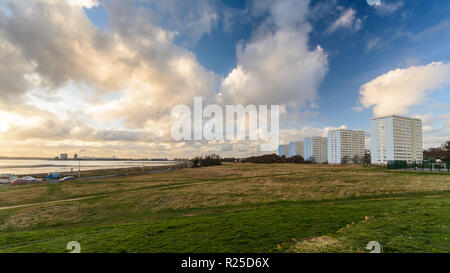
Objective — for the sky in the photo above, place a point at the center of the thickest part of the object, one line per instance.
(103, 75)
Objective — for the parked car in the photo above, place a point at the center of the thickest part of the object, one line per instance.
(5, 176)
(67, 178)
(53, 176)
(24, 180)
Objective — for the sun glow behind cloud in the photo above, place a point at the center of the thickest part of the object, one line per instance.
(68, 91)
(67, 84)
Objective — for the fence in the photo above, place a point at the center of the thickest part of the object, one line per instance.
(419, 166)
(397, 165)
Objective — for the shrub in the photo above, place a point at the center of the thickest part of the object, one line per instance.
(209, 160)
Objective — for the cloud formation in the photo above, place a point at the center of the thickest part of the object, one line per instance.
(346, 20)
(53, 43)
(386, 7)
(277, 66)
(398, 90)
(129, 75)
(188, 19)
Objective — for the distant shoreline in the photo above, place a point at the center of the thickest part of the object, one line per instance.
(21, 167)
(84, 159)
(114, 171)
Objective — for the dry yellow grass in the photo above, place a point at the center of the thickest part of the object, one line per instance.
(322, 244)
(239, 182)
(226, 185)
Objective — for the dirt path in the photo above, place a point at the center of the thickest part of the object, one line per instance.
(103, 195)
(53, 202)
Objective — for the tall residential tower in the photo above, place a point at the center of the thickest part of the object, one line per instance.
(345, 146)
(316, 149)
(296, 148)
(283, 150)
(396, 138)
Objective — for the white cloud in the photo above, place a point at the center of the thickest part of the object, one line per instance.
(276, 66)
(288, 135)
(139, 61)
(135, 69)
(396, 91)
(347, 20)
(128, 78)
(374, 43)
(384, 7)
(374, 2)
(436, 129)
(389, 8)
(84, 3)
(189, 19)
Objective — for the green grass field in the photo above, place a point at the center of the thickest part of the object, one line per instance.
(233, 208)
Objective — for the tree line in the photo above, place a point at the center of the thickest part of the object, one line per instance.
(442, 152)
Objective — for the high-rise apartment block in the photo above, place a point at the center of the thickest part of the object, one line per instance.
(396, 138)
(345, 146)
(296, 148)
(316, 149)
(283, 150)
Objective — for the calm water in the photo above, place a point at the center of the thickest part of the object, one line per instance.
(25, 166)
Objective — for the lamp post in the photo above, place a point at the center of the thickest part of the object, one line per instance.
(79, 163)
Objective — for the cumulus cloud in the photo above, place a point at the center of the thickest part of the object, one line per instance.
(347, 20)
(55, 129)
(132, 73)
(436, 129)
(188, 19)
(289, 135)
(84, 3)
(51, 43)
(396, 91)
(277, 66)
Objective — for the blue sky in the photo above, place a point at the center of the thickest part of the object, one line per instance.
(127, 63)
(352, 62)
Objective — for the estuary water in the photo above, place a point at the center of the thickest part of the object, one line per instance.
(38, 166)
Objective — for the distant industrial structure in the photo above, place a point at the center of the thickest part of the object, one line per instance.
(345, 146)
(64, 156)
(396, 138)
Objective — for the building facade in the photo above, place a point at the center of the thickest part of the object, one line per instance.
(396, 138)
(296, 148)
(316, 149)
(345, 146)
(283, 150)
